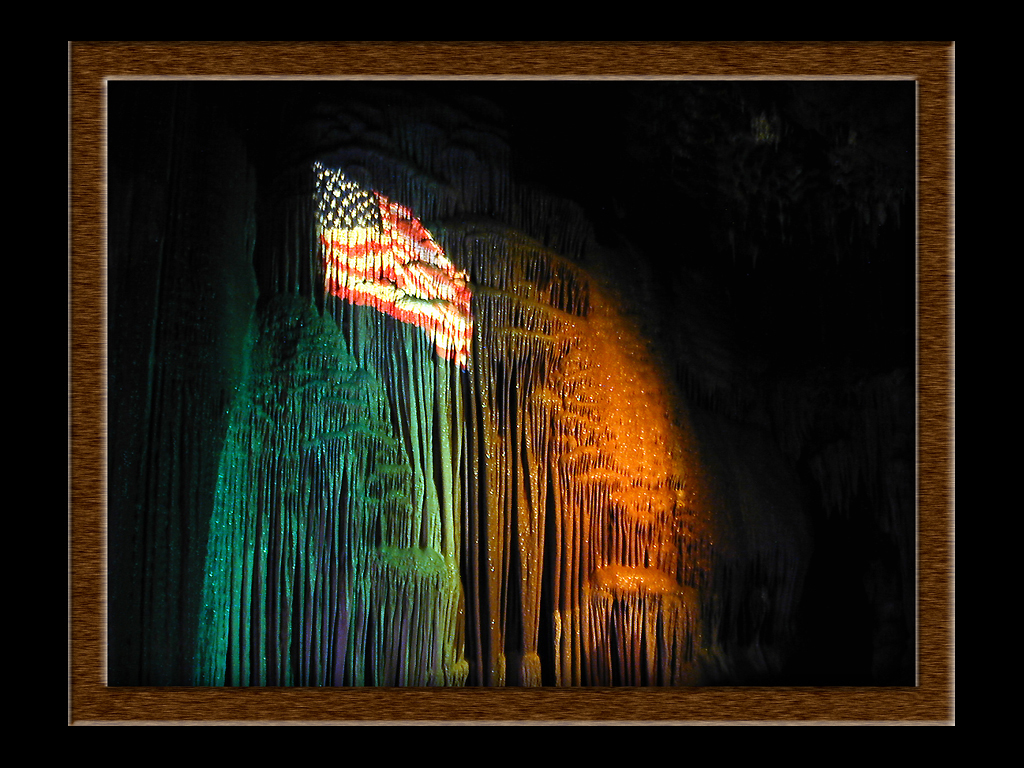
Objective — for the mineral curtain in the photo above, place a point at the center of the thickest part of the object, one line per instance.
(465, 468)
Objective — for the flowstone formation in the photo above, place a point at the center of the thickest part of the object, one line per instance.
(445, 435)
(589, 539)
(399, 506)
(333, 556)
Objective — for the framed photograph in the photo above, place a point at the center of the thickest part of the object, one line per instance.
(510, 383)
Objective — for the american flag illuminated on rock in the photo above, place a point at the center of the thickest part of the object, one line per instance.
(379, 255)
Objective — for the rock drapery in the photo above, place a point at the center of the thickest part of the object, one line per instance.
(317, 490)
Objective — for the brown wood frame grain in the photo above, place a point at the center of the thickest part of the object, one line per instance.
(930, 64)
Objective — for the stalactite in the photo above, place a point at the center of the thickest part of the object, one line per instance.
(387, 481)
(442, 434)
(334, 553)
(588, 468)
(333, 556)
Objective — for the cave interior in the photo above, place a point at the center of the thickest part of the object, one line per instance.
(755, 239)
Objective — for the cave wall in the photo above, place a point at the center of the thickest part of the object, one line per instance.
(181, 297)
(558, 565)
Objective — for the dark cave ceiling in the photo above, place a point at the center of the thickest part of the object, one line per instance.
(791, 202)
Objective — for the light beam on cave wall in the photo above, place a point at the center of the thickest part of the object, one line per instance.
(378, 254)
(470, 474)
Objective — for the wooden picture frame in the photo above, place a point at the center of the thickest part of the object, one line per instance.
(929, 64)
